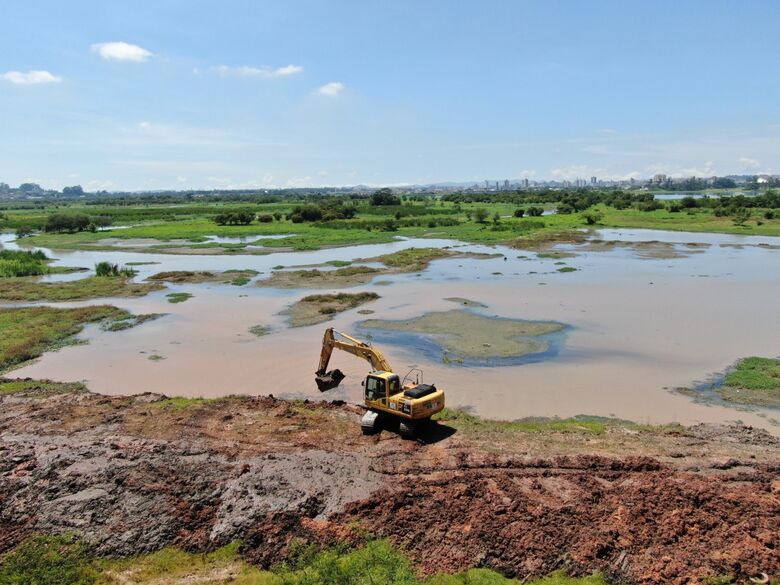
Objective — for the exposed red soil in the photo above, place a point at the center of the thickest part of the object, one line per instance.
(132, 474)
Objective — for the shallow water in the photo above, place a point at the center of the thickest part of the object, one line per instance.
(638, 327)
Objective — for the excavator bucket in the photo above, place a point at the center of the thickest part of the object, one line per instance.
(329, 380)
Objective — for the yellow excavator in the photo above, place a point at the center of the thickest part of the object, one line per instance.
(387, 398)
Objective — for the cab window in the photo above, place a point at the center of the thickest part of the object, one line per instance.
(393, 385)
(375, 388)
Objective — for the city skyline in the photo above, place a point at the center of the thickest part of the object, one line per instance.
(188, 96)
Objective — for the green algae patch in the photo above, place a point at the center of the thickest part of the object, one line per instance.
(754, 380)
(320, 308)
(259, 330)
(178, 297)
(464, 335)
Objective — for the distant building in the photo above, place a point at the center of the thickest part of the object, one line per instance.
(506, 184)
(594, 181)
(525, 183)
(659, 179)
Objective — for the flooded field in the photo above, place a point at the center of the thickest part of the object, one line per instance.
(652, 312)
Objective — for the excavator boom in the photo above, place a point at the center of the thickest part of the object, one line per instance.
(327, 380)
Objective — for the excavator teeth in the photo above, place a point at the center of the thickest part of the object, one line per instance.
(329, 380)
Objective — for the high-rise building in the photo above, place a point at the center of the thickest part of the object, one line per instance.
(594, 181)
(525, 183)
(506, 184)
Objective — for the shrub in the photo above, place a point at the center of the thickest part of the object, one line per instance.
(519, 212)
(592, 216)
(265, 218)
(22, 263)
(769, 214)
(534, 211)
(108, 269)
(480, 214)
(234, 218)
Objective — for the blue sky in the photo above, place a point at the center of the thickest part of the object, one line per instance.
(192, 94)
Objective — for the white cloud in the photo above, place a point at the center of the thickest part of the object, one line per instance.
(609, 131)
(120, 51)
(265, 72)
(749, 163)
(331, 89)
(30, 77)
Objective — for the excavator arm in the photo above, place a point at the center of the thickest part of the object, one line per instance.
(329, 380)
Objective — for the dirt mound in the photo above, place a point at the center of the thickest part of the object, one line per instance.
(638, 522)
(134, 474)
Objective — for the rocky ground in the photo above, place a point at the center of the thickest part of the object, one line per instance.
(641, 504)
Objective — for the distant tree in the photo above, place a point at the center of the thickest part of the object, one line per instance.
(496, 218)
(480, 214)
(265, 218)
(534, 211)
(384, 197)
(592, 216)
(519, 212)
(278, 216)
(234, 218)
(63, 222)
(75, 190)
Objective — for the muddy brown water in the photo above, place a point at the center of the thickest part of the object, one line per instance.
(638, 328)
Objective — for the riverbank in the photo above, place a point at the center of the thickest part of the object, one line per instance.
(131, 475)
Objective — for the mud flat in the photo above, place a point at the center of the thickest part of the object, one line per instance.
(29, 289)
(315, 309)
(464, 335)
(236, 277)
(132, 474)
(403, 261)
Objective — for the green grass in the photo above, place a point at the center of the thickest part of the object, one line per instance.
(61, 560)
(20, 263)
(472, 423)
(28, 289)
(39, 387)
(28, 332)
(178, 297)
(754, 380)
(192, 222)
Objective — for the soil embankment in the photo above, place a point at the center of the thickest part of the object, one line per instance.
(641, 504)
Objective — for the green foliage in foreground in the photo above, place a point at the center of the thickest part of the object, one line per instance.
(62, 561)
(41, 560)
(27, 332)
